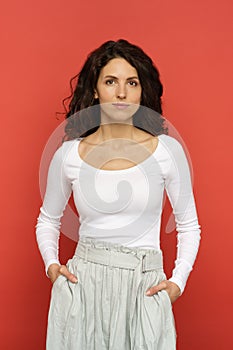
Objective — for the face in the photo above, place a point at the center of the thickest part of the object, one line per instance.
(118, 89)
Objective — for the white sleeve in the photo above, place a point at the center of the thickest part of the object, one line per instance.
(58, 191)
(178, 186)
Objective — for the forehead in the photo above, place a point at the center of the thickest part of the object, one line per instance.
(119, 67)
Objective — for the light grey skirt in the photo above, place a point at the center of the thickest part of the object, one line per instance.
(107, 308)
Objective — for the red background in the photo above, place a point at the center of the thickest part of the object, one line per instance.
(43, 45)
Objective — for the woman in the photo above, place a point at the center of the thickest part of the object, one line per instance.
(117, 159)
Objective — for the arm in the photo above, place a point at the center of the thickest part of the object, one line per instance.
(179, 190)
(178, 186)
(58, 191)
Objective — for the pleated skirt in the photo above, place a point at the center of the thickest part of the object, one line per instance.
(107, 308)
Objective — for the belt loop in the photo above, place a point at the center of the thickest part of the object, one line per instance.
(143, 263)
(86, 253)
(110, 260)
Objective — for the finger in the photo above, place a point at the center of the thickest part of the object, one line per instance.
(155, 289)
(65, 272)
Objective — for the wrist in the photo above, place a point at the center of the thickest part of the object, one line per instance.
(178, 283)
(53, 270)
(49, 263)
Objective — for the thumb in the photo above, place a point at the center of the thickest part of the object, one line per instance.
(157, 288)
(65, 272)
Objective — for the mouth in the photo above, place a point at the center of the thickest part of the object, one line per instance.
(120, 105)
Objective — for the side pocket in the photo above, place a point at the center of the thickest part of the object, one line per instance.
(60, 304)
(58, 280)
(167, 296)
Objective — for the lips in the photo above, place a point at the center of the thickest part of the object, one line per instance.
(121, 105)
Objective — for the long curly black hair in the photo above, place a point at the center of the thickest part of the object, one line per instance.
(83, 113)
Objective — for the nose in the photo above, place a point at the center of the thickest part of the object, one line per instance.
(121, 91)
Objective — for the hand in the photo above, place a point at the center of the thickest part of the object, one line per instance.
(56, 270)
(172, 289)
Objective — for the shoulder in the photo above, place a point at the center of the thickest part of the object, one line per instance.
(170, 141)
(173, 152)
(172, 145)
(64, 150)
(68, 145)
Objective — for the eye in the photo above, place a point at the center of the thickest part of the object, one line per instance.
(109, 81)
(133, 83)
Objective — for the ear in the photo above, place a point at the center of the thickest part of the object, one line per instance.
(95, 94)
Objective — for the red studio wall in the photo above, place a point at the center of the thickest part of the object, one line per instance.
(43, 44)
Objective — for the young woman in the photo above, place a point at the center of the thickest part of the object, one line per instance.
(117, 158)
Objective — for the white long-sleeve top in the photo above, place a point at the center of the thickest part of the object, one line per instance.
(122, 206)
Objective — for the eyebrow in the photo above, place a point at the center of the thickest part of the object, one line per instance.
(112, 76)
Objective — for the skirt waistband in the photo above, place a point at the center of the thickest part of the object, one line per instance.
(116, 255)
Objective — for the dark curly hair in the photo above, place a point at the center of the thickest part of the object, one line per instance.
(83, 120)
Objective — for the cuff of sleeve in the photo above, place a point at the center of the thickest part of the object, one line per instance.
(52, 261)
(179, 283)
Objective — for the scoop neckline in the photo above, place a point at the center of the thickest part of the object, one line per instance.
(118, 170)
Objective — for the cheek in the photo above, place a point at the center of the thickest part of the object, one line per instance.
(106, 94)
(137, 96)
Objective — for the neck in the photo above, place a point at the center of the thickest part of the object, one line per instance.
(117, 130)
